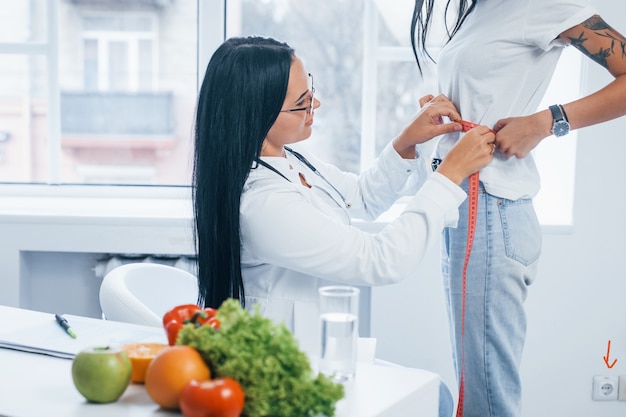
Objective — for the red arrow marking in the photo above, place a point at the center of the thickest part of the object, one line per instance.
(606, 358)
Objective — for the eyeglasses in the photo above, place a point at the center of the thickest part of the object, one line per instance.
(309, 108)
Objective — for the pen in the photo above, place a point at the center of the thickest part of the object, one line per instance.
(66, 326)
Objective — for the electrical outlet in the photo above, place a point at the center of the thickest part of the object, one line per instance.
(605, 388)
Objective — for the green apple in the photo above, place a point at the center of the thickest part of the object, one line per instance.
(101, 373)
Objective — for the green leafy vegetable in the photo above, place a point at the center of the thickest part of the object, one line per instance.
(266, 360)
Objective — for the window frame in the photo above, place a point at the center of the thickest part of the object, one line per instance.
(132, 40)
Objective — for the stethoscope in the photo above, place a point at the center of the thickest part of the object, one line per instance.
(309, 165)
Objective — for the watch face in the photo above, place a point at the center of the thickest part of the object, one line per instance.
(560, 128)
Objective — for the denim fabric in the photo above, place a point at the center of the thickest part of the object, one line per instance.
(446, 401)
(503, 262)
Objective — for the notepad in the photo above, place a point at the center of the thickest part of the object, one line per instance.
(49, 338)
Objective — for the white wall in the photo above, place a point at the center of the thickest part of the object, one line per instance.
(577, 302)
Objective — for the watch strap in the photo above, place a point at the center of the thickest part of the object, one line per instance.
(563, 112)
(557, 114)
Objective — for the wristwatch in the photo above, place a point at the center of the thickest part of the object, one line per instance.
(560, 125)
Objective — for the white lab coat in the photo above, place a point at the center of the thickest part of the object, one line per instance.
(295, 239)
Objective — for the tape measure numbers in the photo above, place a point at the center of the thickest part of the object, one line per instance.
(474, 183)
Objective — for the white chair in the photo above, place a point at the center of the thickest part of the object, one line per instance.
(142, 293)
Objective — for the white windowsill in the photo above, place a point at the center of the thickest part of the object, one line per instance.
(101, 204)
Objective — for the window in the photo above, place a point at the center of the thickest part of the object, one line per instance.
(96, 92)
(119, 52)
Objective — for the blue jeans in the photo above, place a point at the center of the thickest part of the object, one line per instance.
(446, 402)
(503, 262)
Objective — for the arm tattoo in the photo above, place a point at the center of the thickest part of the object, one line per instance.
(596, 23)
(600, 28)
(613, 40)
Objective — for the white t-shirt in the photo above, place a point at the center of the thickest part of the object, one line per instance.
(499, 65)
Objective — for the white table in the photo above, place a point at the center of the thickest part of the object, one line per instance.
(33, 384)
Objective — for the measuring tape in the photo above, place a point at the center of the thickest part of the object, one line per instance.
(474, 181)
(471, 231)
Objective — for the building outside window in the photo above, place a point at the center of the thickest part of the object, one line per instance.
(119, 52)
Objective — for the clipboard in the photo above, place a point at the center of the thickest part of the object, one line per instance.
(48, 338)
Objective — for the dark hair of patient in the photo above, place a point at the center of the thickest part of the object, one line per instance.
(243, 90)
(422, 19)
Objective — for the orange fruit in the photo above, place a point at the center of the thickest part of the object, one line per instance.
(140, 355)
(170, 370)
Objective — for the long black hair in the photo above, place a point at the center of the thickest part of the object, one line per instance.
(422, 18)
(243, 90)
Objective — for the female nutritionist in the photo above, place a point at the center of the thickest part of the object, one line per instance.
(272, 225)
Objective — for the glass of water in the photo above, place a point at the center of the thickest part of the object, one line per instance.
(339, 311)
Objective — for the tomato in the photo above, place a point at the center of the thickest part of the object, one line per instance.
(176, 318)
(219, 397)
(214, 322)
